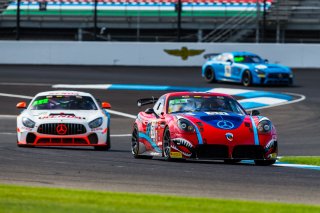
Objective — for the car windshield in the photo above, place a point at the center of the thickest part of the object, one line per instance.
(248, 59)
(58, 102)
(204, 103)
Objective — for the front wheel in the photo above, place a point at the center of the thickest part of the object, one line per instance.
(209, 75)
(108, 142)
(166, 148)
(264, 162)
(247, 78)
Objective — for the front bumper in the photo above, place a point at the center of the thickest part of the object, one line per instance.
(274, 79)
(224, 151)
(32, 137)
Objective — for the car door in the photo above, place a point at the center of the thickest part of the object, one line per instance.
(224, 66)
(155, 125)
(218, 67)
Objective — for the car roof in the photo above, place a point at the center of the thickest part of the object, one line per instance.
(172, 94)
(63, 92)
(242, 53)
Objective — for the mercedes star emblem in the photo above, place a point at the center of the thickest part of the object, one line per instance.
(225, 124)
(61, 129)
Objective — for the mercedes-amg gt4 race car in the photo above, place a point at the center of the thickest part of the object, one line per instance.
(64, 118)
(192, 125)
(246, 68)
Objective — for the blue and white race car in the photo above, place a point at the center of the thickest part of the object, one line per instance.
(246, 68)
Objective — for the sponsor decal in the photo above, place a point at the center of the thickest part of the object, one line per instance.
(175, 154)
(217, 113)
(184, 52)
(60, 116)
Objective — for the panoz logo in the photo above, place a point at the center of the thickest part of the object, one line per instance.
(184, 52)
(229, 136)
(61, 129)
(225, 124)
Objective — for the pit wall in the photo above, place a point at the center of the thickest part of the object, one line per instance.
(149, 54)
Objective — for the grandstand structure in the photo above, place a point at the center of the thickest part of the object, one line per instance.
(156, 20)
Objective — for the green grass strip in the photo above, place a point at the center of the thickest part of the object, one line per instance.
(145, 13)
(22, 199)
(308, 160)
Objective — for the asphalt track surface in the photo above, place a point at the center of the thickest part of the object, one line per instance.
(298, 127)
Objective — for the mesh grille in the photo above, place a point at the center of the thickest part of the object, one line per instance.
(278, 75)
(72, 129)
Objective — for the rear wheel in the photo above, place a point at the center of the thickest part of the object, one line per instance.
(209, 75)
(135, 145)
(246, 78)
(264, 162)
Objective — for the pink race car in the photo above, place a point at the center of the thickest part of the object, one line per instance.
(202, 126)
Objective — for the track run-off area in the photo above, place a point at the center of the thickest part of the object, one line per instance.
(294, 111)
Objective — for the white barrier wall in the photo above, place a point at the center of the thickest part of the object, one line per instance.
(148, 54)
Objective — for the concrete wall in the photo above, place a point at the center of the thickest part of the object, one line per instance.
(148, 54)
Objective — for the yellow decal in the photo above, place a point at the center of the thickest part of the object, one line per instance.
(184, 52)
(175, 155)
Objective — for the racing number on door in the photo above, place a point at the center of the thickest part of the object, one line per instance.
(227, 71)
(151, 130)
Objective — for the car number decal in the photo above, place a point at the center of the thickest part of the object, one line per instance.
(227, 71)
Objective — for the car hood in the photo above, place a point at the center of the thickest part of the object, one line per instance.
(220, 120)
(63, 116)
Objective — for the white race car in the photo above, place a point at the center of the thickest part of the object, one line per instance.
(64, 118)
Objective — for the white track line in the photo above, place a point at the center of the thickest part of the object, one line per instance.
(302, 98)
(29, 97)
(15, 96)
(24, 84)
(8, 116)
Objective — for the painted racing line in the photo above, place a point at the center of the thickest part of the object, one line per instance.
(249, 99)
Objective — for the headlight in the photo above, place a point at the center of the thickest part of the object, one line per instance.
(28, 123)
(264, 126)
(185, 125)
(260, 73)
(95, 123)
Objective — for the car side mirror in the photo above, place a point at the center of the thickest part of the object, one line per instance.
(229, 61)
(22, 105)
(255, 113)
(149, 111)
(266, 61)
(106, 105)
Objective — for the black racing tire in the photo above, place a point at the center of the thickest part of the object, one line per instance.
(24, 146)
(209, 75)
(264, 162)
(247, 78)
(166, 148)
(135, 145)
(231, 161)
(101, 148)
(108, 139)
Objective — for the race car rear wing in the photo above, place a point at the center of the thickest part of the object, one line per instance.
(210, 55)
(146, 101)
